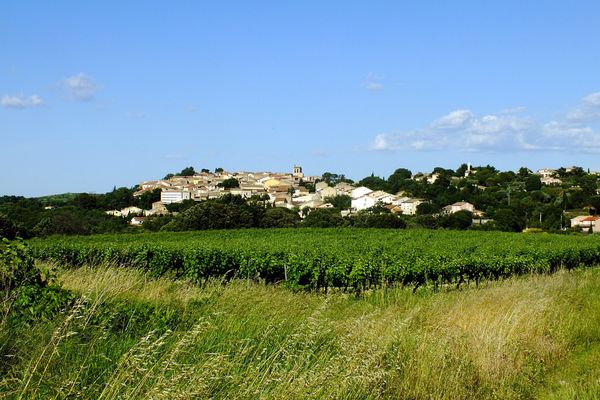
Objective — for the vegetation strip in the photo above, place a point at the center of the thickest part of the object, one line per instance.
(355, 259)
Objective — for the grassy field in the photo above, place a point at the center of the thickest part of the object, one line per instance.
(130, 336)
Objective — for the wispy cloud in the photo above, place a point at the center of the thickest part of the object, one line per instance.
(453, 120)
(21, 101)
(507, 130)
(80, 87)
(373, 82)
(587, 111)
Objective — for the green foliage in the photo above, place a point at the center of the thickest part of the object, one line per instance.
(427, 208)
(333, 179)
(399, 180)
(319, 258)
(324, 218)
(86, 201)
(459, 220)
(310, 186)
(8, 228)
(229, 183)
(181, 206)
(16, 266)
(227, 212)
(27, 293)
(340, 202)
(507, 220)
(189, 171)
(279, 217)
(76, 221)
(155, 223)
(378, 220)
(374, 183)
(533, 182)
(145, 200)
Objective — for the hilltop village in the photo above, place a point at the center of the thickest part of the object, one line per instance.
(289, 190)
(470, 197)
(302, 193)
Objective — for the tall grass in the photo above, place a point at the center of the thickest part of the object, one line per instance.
(129, 336)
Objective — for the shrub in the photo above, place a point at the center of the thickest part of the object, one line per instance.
(27, 293)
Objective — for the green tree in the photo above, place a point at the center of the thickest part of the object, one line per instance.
(86, 201)
(533, 182)
(524, 172)
(378, 220)
(374, 183)
(507, 220)
(333, 179)
(399, 180)
(460, 171)
(8, 228)
(279, 217)
(588, 184)
(428, 208)
(459, 220)
(189, 171)
(324, 218)
(340, 202)
(146, 199)
(229, 183)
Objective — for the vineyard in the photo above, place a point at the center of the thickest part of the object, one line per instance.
(330, 258)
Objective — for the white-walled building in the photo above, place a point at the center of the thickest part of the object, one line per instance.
(546, 172)
(380, 195)
(460, 206)
(409, 207)
(168, 196)
(360, 191)
(131, 210)
(585, 222)
(363, 202)
(546, 180)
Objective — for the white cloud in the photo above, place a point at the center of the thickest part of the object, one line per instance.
(461, 130)
(21, 101)
(373, 82)
(587, 111)
(564, 136)
(507, 130)
(80, 87)
(453, 120)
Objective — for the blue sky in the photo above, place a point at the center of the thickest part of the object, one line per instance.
(113, 93)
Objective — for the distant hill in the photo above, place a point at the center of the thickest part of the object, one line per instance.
(58, 199)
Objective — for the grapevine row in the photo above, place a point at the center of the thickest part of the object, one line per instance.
(330, 258)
